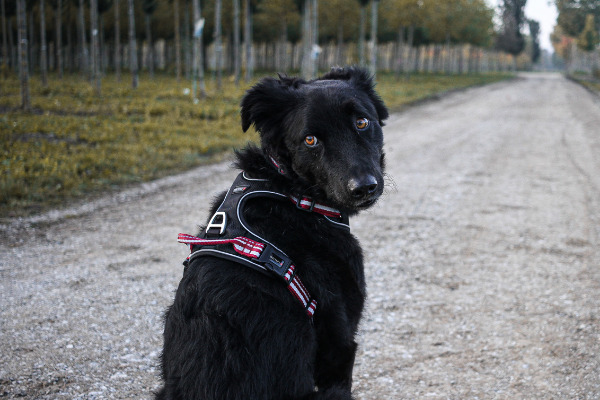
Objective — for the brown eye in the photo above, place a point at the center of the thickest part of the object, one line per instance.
(362, 124)
(310, 141)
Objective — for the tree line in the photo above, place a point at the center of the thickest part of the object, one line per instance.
(79, 32)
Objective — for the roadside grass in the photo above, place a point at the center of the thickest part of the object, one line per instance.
(590, 82)
(76, 144)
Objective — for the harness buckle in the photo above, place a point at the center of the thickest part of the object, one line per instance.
(299, 204)
(275, 261)
(214, 223)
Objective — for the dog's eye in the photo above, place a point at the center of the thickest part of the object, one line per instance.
(310, 141)
(362, 124)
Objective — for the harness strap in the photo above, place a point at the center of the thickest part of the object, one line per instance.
(274, 262)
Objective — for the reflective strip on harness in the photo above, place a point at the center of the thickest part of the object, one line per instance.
(253, 249)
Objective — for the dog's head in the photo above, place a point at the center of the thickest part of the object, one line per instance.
(326, 132)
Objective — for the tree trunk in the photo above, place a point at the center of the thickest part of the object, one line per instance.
(4, 39)
(23, 67)
(281, 56)
(306, 41)
(374, 4)
(58, 43)
(43, 46)
(30, 42)
(340, 44)
(177, 39)
(150, 58)
(236, 42)
(83, 51)
(117, 42)
(314, 38)
(133, 64)
(248, 41)
(95, 46)
(361, 36)
(218, 43)
(198, 61)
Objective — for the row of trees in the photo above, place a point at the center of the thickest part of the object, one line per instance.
(86, 26)
(578, 24)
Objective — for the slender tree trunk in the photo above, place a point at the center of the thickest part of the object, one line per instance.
(340, 44)
(23, 67)
(31, 42)
(400, 60)
(117, 42)
(4, 38)
(133, 62)
(374, 4)
(361, 36)
(314, 38)
(198, 61)
(83, 51)
(58, 44)
(218, 44)
(281, 57)
(237, 62)
(95, 46)
(189, 47)
(43, 46)
(177, 39)
(150, 45)
(306, 41)
(248, 41)
(411, 40)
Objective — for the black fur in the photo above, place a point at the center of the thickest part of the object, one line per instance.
(233, 333)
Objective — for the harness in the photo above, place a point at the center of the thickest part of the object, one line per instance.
(229, 236)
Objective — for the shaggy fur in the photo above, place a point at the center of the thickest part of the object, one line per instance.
(233, 333)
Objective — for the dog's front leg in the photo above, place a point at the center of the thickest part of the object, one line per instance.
(335, 364)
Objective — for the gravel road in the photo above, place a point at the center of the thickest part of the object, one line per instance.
(483, 262)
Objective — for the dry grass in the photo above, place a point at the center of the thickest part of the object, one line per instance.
(75, 143)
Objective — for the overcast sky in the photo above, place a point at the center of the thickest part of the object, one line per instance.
(543, 11)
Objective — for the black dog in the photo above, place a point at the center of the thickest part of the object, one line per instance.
(236, 333)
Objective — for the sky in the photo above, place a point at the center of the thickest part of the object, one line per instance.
(543, 11)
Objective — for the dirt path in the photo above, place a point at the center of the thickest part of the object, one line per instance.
(483, 262)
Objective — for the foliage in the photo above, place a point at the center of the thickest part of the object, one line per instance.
(588, 39)
(572, 15)
(534, 32)
(75, 143)
(510, 39)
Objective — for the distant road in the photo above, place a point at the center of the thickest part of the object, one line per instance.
(483, 262)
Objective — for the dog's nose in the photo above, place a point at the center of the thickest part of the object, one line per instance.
(362, 187)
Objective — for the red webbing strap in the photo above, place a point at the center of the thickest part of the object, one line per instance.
(306, 203)
(253, 249)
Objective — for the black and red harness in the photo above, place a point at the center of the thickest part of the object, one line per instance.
(229, 236)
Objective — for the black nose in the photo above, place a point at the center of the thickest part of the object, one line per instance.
(362, 187)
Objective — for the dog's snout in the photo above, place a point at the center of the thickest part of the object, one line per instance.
(362, 187)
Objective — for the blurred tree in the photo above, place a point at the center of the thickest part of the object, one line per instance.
(237, 62)
(149, 6)
(82, 53)
(133, 62)
(373, 44)
(572, 15)
(361, 32)
(177, 30)
(218, 44)
(43, 45)
(534, 32)
(588, 39)
(248, 41)
(198, 61)
(94, 35)
(117, 58)
(510, 39)
(23, 65)
(275, 17)
(57, 6)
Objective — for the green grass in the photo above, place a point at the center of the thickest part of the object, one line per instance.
(76, 144)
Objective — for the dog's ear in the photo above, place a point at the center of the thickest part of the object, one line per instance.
(361, 79)
(267, 103)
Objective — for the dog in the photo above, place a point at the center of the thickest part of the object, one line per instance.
(284, 327)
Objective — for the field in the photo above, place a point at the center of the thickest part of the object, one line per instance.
(76, 144)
